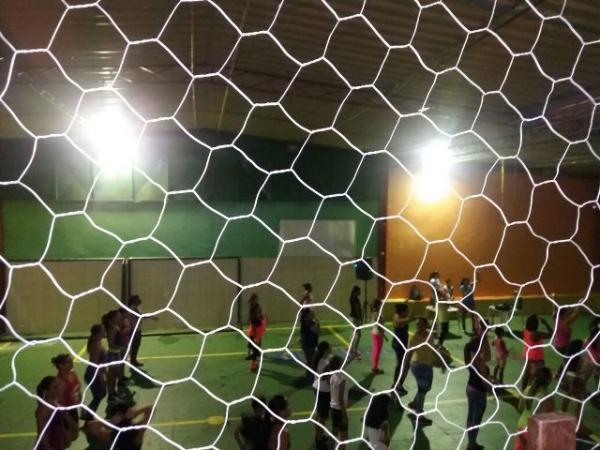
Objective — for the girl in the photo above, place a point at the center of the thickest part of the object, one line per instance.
(534, 399)
(95, 377)
(339, 402)
(321, 386)
(309, 336)
(279, 437)
(477, 355)
(378, 335)
(501, 353)
(400, 344)
(54, 426)
(70, 386)
(377, 424)
(356, 314)
(573, 383)
(256, 329)
(533, 352)
(111, 325)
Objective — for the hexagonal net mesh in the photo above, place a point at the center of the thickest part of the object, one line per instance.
(457, 105)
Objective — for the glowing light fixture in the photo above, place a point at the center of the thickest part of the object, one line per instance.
(114, 142)
(433, 182)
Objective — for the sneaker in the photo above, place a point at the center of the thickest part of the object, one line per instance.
(137, 364)
(401, 391)
(424, 421)
(412, 405)
(376, 371)
(475, 446)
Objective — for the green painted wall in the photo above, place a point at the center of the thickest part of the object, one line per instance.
(187, 227)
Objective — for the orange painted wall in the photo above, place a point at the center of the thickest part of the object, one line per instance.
(466, 235)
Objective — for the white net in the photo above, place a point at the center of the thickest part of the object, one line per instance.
(497, 121)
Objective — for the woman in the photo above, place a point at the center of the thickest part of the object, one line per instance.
(123, 416)
(356, 315)
(252, 432)
(533, 352)
(256, 329)
(400, 344)
(377, 422)
(307, 297)
(279, 436)
(54, 426)
(572, 377)
(423, 359)
(310, 329)
(562, 334)
(436, 286)
(321, 387)
(468, 303)
(135, 322)
(477, 355)
(70, 387)
(111, 325)
(94, 376)
(534, 400)
(378, 335)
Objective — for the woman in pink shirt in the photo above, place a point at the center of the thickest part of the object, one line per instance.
(562, 335)
(533, 352)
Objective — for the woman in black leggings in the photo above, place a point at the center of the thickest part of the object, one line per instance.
(399, 344)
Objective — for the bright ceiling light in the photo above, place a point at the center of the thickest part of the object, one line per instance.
(436, 158)
(433, 182)
(431, 189)
(113, 141)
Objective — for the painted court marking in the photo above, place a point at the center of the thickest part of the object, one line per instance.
(5, 347)
(220, 420)
(337, 335)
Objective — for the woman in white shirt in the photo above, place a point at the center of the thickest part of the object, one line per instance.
(339, 387)
(377, 424)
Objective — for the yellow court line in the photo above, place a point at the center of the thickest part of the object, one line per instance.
(5, 346)
(82, 350)
(219, 420)
(193, 355)
(338, 335)
(216, 420)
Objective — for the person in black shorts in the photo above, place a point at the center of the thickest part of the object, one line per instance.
(339, 386)
(356, 315)
(321, 386)
(310, 329)
(400, 344)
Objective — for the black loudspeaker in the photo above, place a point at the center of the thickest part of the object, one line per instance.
(363, 271)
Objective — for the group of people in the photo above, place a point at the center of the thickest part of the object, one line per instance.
(58, 413)
(420, 353)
